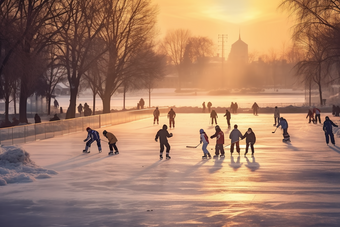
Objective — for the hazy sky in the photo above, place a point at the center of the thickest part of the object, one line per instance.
(263, 27)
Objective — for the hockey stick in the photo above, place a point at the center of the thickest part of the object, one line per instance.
(193, 146)
(274, 131)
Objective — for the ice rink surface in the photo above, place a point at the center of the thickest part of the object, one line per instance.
(294, 184)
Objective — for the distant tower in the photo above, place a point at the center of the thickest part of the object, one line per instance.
(238, 52)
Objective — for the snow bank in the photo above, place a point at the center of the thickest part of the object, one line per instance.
(17, 167)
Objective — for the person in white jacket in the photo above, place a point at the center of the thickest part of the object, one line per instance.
(235, 136)
(204, 139)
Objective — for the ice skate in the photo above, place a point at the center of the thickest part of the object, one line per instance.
(209, 156)
(84, 151)
(204, 157)
(161, 157)
(222, 156)
(111, 153)
(215, 156)
(168, 157)
(116, 152)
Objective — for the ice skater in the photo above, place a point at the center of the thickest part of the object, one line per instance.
(92, 135)
(171, 116)
(235, 136)
(156, 115)
(250, 140)
(255, 108)
(276, 115)
(228, 117)
(213, 116)
(316, 111)
(327, 128)
(163, 136)
(219, 141)
(112, 142)
(310, 115)
(284, 125)
(205, 141)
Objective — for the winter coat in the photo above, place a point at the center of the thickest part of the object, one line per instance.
(235, 135)
(227, 115)
(327, 126)
(112, 139)
(213, 114)
(156, 113)
(250, 138)
(283, 123)
(171, 114)
(277, 113)
(316, 111)
(219, 137)
(163, 135)
(204, 138)
(92, 134)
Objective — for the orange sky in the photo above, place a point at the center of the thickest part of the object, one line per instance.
(263, 27)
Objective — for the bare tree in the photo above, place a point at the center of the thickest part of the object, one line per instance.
(173, 46)
(78, 28)
(129, 25)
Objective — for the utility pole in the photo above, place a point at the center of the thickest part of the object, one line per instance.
(222, 41)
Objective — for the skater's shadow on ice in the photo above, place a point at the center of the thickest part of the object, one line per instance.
(78, 161)
(195, 167)
(140, 173)
(235, 165)
(253, 166)
(335, 148)
(290, 146)
(217, 165)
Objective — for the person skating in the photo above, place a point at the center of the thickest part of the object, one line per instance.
(228, 117)
(204, 139)
(92, 135)
(219, 141)
(284, 125)
(276, 115)
(171, 116)
(310, 115)
(255, 108)
(235, 136)
(203, 107)
(236, 107)
(163, 136)
(250, 140)
(209, 105)
(213, 116)
(316, 111)
(327, 128)
(156, 115)
(112, 140)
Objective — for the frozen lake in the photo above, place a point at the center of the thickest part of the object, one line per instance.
(293, 184)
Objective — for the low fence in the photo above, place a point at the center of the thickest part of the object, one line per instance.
(45, 130)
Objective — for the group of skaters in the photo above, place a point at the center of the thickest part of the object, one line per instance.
(140, 104)
(86, 108)
(209, 105)
(171, 115)
(314, 115)
(93, 136)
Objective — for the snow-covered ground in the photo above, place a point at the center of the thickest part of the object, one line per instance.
(293, 184)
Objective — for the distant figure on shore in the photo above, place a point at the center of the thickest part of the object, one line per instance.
(15, 121)
(276, 115)
(333, 110)
(80, 109)
(310, 115)
(156, 115)
(236, 107)
(317, 112)
(255, 108)
(37, 118)
(232, 107)
(171, 116)
(213, 116)
(56, 104)
(87, 110)
(141, 103)
(228, 117)
(55, 118)
(209, 105)
(327, 128)
(61, 110)
(203, 106)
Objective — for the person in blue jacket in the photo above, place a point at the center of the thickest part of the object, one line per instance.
(327, 127)
(92, 135)
(284, 125)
